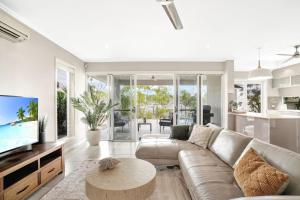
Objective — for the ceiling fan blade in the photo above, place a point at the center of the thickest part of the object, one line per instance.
(282, 54)
(171, 11)
(291, 58)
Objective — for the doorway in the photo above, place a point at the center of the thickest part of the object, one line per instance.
(151, 104)
(155, 104)
(123, 119)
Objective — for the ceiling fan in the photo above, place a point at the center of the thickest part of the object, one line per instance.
(292, 56)
(171, 11)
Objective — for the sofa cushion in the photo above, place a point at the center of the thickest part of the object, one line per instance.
(257, 178)
(216, 131)
(283, 159)
(180, 132)
(205, 173)
(160, 150)
(190, 129)
(229, 145)
(157, 148)
(200, 136)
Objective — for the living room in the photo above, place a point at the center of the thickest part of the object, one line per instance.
(186, 94)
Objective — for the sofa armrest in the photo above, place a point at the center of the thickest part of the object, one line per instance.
(280, 197)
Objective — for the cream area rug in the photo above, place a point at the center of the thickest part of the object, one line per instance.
(169, 184)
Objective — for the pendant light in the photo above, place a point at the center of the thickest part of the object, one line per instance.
(260, 73)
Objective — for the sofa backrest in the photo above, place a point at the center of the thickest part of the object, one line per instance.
(216, 131)
(229, 145)
(283, 159)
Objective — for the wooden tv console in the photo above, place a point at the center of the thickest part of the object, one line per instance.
(24, 173)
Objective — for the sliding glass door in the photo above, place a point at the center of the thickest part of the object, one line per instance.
(210, 104)
(151, 104)
(123, 120)
(155, 104)
(187, 93)
(198, 99)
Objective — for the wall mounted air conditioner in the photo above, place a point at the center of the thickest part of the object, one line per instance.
(11, 29)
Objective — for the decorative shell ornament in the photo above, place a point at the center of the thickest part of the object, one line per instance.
(108, 163)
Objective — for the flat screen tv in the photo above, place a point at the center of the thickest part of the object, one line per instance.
(18, 122)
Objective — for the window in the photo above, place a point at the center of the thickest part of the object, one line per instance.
(292, 103)
(64, 91)
(248, 97)
(254, 98)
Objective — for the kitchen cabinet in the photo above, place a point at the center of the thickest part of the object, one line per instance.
(295, 80)
(280, 130)
(281, 82)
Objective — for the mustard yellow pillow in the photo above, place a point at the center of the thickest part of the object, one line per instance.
(256, 177)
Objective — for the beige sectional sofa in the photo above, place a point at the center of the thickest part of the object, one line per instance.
(208, 173)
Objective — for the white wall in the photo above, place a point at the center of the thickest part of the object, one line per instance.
(241, 75)
(28, 69)
(227, 89)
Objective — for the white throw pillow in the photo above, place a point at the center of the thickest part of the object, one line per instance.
(200, 135)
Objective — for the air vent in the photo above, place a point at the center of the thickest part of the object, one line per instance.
(12, 33)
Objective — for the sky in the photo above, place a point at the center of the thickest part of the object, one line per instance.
(9, 107)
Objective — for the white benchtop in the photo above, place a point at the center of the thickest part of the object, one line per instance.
(266, 116)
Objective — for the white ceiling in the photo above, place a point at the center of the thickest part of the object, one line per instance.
(139, 30)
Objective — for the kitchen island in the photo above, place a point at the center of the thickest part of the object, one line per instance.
(278, 129)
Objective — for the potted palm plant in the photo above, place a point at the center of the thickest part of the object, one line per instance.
(96, 110)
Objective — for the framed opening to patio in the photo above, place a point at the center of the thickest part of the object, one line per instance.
(151, 104)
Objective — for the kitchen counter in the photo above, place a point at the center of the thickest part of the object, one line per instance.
(275, 128)
(266, 116)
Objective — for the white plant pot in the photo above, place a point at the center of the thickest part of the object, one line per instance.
(93, 137)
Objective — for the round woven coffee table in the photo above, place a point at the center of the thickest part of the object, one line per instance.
(132, 179)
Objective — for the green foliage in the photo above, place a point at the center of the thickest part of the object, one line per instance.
(141, 113)
(141, 98)
(254, 98)
(98, 92)
(147, 95)
(62, 111)
(233, 105)
(126, 94)
(187, 100)
(21, 113)
(161, 112)
(149, 115)
(33, 110)
(162, 96)
(95, 109)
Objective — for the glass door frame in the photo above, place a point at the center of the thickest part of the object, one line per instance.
(134, 75)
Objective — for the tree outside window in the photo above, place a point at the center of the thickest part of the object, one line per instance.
(248, 97)
(254, 97)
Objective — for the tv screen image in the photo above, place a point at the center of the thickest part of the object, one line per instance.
(18, 122)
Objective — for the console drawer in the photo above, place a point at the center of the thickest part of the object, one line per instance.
(22, 188)
(50, 170)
